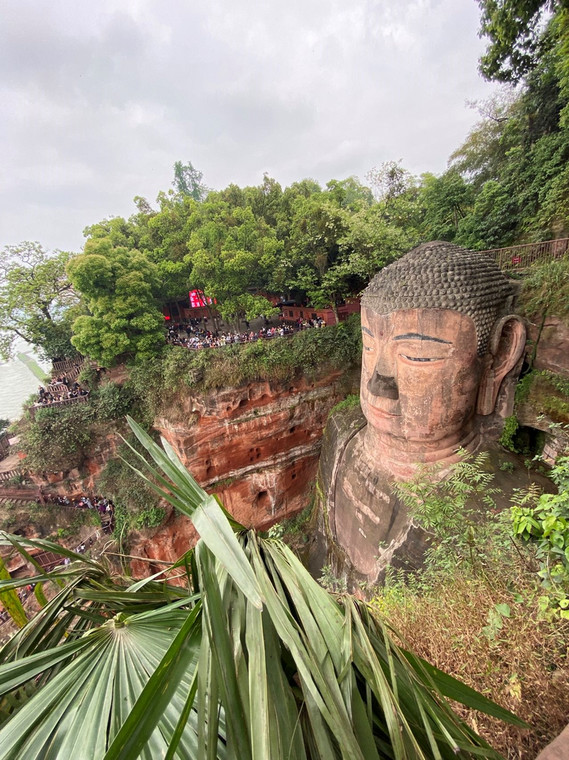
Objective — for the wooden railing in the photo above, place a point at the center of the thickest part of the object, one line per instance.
(519, 257)
(58, 404)
(69, 367)
(4, 445)
(10, 474)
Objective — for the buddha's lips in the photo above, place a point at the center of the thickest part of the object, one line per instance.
(381, 412)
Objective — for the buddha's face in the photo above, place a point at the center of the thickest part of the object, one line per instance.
(420, 375)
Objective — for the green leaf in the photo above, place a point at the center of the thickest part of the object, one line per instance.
(217, 535)
(158, 692)
(11, 600)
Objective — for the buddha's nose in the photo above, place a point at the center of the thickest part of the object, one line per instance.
(381, 385)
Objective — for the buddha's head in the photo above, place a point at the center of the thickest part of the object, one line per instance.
(438, 340)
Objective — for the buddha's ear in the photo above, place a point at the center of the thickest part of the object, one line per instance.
(506, 345)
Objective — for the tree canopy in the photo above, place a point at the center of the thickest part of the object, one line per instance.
(36, 298)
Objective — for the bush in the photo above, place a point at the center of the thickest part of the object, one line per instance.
(511, 426)
(545, 290)
(544, 521)
(57, 438)
(113, 401)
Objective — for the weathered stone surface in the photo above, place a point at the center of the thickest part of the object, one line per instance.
(558, 749)
(165, 545)
(256, 446)
(553, 346)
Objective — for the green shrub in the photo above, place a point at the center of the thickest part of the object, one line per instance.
(507, 467)
(352, 400)
(544, 520)
(511, 426)
(113, 401)
(545, 290)
(57, 438)
(524, 386)
(149, 518)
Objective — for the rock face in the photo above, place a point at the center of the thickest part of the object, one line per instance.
(553, 346)
(256, 446)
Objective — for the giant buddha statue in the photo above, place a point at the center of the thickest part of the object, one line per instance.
(439, 338)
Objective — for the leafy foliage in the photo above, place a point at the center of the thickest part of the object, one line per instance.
(514, 30)
(509, 431)
(546, 522)
(58, 439)
(545, 290)
(450, 509)
(34, 294)
(124, 320)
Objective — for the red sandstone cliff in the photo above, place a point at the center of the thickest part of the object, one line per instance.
(256, 446)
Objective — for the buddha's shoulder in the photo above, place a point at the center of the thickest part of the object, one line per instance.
(342, 427)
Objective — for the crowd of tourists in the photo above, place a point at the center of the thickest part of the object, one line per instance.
(194, 334)
(60, 388)
(104, 507)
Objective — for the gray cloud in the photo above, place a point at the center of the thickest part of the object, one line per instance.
(98, 103)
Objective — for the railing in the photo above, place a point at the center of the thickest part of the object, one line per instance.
(4, 445)
(58, 404)
(10, 474)
(519, 257)
(57, 388)
(21, 494)
(69, 367)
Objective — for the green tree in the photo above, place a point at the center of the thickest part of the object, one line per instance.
(515, 31)
(188, 181)
(233, 256)
(493, 221)
(118, 284)
(35, 298)
(314, 262)
(446, 201)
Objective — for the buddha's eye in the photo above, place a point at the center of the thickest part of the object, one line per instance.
(422, 358)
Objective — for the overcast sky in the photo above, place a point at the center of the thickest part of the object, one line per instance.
(98, 100)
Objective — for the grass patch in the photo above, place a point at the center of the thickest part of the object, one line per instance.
(352, 400)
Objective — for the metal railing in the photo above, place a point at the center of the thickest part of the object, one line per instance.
(519, 257)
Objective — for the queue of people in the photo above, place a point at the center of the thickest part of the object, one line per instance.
(104, 507)
(45, 397)
(194, 334)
